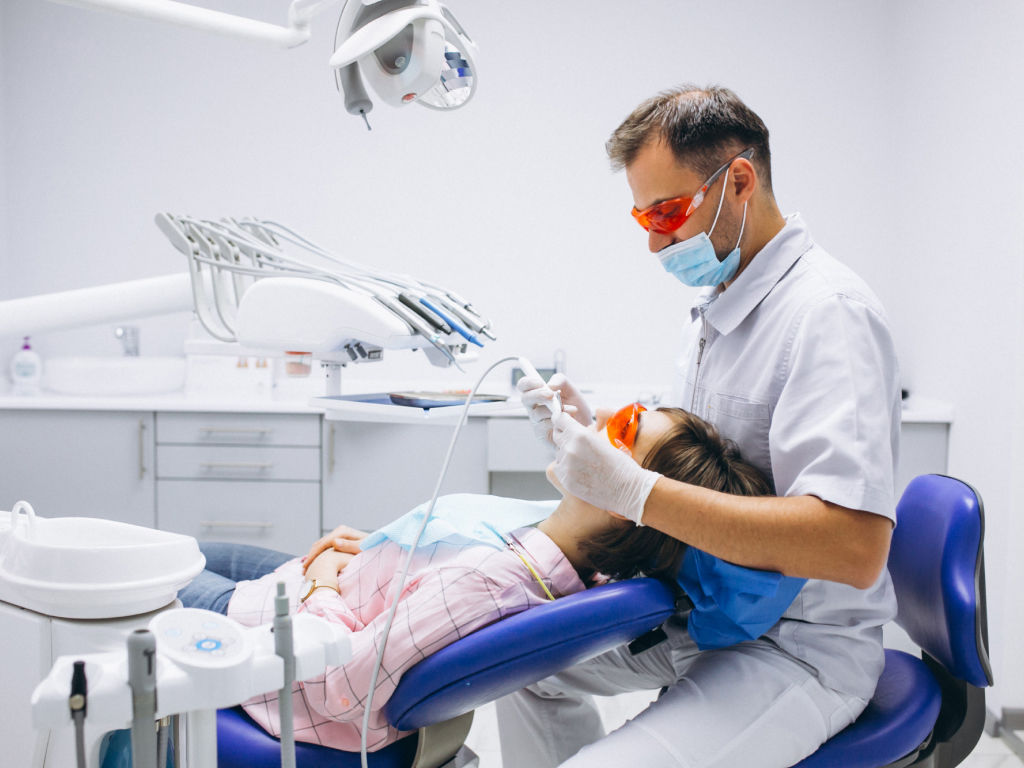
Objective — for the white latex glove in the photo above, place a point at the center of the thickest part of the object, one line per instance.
(589, 467)
(536, 395)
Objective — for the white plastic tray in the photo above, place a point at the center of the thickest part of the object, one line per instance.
(86, 568)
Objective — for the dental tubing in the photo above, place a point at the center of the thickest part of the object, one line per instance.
(400, 584)
(77, 703)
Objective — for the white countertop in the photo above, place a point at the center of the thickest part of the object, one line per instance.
(915, 409)
(173, 401)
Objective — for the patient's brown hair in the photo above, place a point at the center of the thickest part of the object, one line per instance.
(691, 451)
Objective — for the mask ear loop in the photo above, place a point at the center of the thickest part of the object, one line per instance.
(743, 223)
(720, 201)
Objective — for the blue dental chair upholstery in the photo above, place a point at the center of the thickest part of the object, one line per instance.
(926, 711)
(479, 668)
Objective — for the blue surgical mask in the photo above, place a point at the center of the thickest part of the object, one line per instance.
(694, 261)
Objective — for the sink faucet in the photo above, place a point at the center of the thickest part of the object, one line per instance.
(129, 336)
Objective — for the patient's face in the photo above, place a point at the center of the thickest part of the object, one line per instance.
(653, 425)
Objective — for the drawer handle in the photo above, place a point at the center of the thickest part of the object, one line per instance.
(142, 449)
(230, 466)
(234, 524)
(253, 431)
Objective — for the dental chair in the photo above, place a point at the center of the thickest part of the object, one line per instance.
(926, 711)
(436, 698)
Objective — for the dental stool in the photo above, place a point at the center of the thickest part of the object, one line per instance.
(436, 698)
(928, 711)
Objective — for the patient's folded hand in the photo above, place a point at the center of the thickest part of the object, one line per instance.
(342, 539)
(327, 565)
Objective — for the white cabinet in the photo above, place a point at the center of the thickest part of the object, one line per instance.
(374, 472)
(924, 449)
(79, 463)
(517, 460)
(251, 478)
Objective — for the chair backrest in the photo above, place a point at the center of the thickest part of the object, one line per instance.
(938, 541)
(524, 648)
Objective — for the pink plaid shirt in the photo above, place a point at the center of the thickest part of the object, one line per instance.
(450, 592)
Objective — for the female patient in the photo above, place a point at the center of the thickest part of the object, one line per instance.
(456, 588)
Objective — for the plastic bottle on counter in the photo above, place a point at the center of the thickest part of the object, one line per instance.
(26, 371)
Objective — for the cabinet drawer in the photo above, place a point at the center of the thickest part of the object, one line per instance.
(238, 428)
(237, 462)
(283, 516)
(512, 447)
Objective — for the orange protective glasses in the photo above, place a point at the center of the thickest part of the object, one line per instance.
(669, 215)
(623, 425)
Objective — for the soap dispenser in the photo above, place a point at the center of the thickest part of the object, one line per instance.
(26, 370)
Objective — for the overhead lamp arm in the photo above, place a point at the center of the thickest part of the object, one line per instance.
(183, 14)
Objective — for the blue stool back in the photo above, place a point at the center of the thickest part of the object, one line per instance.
(937, 568)
(928, 711)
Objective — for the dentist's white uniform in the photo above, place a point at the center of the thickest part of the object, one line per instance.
(799, 369)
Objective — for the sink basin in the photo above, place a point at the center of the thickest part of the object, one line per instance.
(113, 375)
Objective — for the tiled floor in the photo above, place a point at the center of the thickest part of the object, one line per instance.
(483, 738)
(990, 753)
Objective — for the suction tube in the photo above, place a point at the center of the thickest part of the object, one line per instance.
(395, 591)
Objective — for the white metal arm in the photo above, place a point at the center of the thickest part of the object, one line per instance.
(186, 15)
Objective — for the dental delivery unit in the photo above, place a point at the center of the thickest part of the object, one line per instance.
(247, 288)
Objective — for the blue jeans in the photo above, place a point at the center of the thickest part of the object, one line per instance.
(226, 565)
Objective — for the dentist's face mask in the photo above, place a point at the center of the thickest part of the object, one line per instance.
(694, 261)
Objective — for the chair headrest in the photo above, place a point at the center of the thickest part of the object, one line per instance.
(937, 567)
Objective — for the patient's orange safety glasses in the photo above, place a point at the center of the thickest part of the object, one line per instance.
(669, 215)
(622, 426)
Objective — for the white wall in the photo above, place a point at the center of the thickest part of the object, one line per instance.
(4, 277)
(957, 123)
(895, 131)
(509, 201)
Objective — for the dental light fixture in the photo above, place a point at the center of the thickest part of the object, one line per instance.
(408, 50)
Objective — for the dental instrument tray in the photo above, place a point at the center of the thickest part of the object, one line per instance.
(425, 400)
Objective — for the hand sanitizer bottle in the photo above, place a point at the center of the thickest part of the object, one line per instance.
(26, 371)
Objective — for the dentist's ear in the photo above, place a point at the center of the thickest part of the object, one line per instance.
(743, 179)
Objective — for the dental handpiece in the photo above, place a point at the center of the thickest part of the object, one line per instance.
(555, 404)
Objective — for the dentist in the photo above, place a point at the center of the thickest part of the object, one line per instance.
(788, 354)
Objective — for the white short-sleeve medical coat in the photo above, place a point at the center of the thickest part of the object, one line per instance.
(796, 364)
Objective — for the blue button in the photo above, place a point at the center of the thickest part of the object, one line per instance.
(208, 644)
